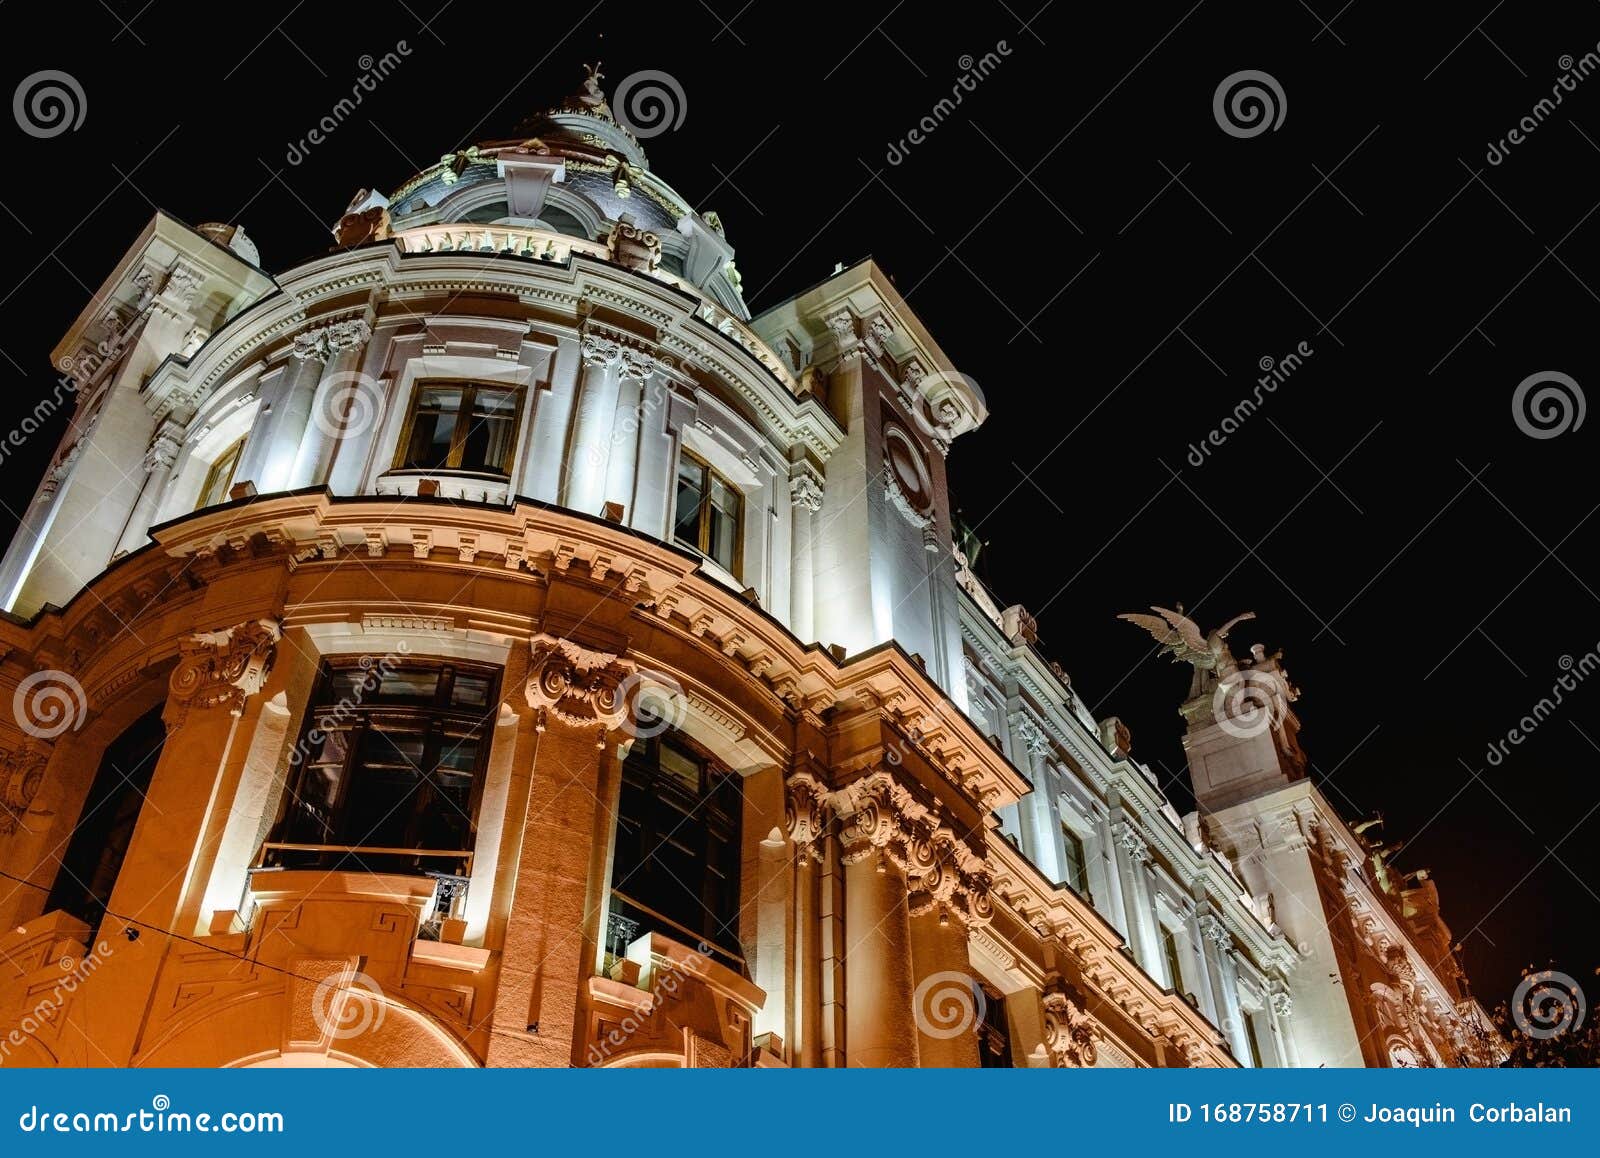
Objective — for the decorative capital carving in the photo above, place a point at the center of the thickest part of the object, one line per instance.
(600, 350)
(1282, 999)
(164, 447)
(880, 815)
(638, 364)
(577, 685)
(1070, 1034)
(223, 668)
(1216, 932)
(1132, 843)
(323, 342)
(21, 773)
(630, 246)
(805, 491)
(806, 811)
(183, 283)
(1030, 734)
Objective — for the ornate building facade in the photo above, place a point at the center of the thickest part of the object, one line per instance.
(486, 644)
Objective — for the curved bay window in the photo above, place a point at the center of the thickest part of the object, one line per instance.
(388, 770)
(709, 514)
(676, 869)
(461, 426)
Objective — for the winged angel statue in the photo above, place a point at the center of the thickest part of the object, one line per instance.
(1181, 636)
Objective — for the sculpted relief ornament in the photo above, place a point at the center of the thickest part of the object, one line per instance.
(1070, 1034)
(223, 668)
(879, 816)
(21, 773)
(577, 685)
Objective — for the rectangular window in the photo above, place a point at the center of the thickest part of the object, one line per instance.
(219, 478)
(1251, 1039)
(709, 513)
(463, 426)
(1077, 862)
(390, 760)
(676, 868)
(1174, 954)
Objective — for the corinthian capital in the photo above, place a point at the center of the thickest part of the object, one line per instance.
(222, 668)
(577, 685)
(319, 343)
(637, 363)
(164, 447)
(806, 492)
(1132, 843)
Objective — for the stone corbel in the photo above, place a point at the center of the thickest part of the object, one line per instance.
(807, 809)
(324, 342)
(222, 668)
(577, 685)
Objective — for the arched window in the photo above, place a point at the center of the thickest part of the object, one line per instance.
(676, 869)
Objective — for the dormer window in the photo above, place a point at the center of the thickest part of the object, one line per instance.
(710, 514)
(461, 426)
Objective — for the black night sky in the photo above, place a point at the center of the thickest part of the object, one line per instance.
(1111, 267)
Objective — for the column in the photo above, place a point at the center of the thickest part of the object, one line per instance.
(1132, 855)
(549, 887)
(583, 477)
(805, 494)
(947, 1001)
(1225, 983)
(158, 462)
(1200, 964)
(293, 413)
(216, 675)
(337, 394)
(622, 448)
(1113, 903)
(1281, 1005)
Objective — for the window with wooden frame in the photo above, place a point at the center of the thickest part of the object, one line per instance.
(709, 514)
(463, 426)
(389, 769)
(219, 476)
